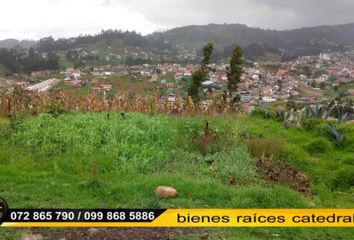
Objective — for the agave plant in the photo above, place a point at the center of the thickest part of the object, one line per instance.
(315, 112)
(335, 134)
(342, 112)
(281, 115)
(292, 117)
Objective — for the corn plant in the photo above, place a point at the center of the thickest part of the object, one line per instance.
(34, 103)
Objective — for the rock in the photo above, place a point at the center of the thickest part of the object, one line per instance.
(93, 230)
(25, 236)
(165, 192)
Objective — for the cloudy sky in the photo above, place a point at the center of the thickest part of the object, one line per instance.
(26, 19)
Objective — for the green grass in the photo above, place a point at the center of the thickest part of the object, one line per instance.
(87, 160)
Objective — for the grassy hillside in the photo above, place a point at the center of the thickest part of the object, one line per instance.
(89, 160)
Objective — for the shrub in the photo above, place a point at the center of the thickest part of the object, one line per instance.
(319, 145)
(56, 110)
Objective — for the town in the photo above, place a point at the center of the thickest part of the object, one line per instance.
(308, 79)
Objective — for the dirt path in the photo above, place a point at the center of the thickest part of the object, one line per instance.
(107, 233)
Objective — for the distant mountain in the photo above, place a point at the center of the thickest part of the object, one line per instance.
(11, 43)
(115, 46)
(289, 43)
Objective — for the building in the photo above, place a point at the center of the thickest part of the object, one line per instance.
(245, 96)
(44, 86)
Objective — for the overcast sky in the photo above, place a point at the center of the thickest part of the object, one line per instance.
(26, 19)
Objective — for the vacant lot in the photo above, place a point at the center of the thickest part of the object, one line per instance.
(103, 159)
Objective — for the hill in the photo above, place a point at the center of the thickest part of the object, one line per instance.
(181, 44)
(297, 42)
(11, 43)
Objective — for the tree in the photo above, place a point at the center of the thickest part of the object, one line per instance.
(195, 84)
(234, 71)
(200, 75)
(207, 51)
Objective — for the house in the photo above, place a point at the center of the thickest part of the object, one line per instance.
(77, 83)
(42, 73)
(72, 74)
(154, 77)
(245, 96)
(178, 77)
(96, 90)
(43, 86)
(169, 85)
(106, 87)
(107, 73)
(171, 97)
(268, 99)
(280, 72)
(351, 92)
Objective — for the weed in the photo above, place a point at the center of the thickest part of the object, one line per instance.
(202, 141)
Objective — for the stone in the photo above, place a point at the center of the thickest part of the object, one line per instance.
(93, 231)
(165, 192)
(31, 237)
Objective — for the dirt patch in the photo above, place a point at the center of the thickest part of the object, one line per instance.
(116, 233)
(279, 172)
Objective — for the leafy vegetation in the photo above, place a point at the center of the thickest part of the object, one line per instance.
(200, 75)
(234, 71)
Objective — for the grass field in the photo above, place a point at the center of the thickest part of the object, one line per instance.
(89, 160)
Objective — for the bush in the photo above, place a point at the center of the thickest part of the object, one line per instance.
(319, 145)
(56, 110)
